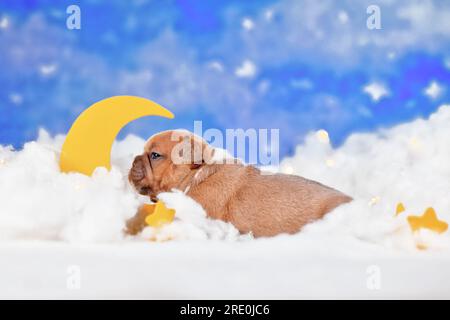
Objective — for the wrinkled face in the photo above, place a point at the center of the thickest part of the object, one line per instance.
(169, 159)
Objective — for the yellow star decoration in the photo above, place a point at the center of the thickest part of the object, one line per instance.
(158, 214)
(429, 221)
(400, 209)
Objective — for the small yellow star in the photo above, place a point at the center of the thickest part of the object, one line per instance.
(429, 221)
(400, 208)
(158, 214)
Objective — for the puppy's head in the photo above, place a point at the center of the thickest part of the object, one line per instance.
(168, 160)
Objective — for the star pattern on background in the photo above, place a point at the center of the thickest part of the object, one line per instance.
(434, 90)
(376, 91)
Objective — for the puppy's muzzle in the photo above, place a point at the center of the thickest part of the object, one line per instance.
(138, 174)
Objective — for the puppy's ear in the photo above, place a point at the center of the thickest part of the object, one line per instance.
(191, 150)
(202, 152)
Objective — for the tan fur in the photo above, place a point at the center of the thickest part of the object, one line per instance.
(264, 204)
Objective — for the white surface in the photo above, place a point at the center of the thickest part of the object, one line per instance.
(271, 269)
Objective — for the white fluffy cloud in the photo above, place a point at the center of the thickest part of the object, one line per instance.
(38, 202)
(408, 163)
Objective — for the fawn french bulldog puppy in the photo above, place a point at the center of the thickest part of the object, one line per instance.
(264, 204)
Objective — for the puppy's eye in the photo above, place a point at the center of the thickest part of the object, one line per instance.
(155, 155)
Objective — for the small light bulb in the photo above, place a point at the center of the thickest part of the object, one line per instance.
(330, 162)
(374, 201)
(415, 143)
(322, 136)
(288, 170)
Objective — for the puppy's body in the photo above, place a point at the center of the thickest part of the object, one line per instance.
(264, 204)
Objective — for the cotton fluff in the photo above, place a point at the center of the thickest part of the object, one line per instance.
(408, 163)
(39, 202)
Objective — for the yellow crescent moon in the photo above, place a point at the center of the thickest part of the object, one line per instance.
(89, 141)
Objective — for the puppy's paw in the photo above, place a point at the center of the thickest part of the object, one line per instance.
(136, 224)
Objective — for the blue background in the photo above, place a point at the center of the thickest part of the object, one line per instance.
(308, 63)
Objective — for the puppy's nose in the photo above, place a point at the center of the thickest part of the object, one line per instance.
(145, 191)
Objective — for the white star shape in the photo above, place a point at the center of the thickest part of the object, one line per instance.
(434, 90)
(376, 90)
